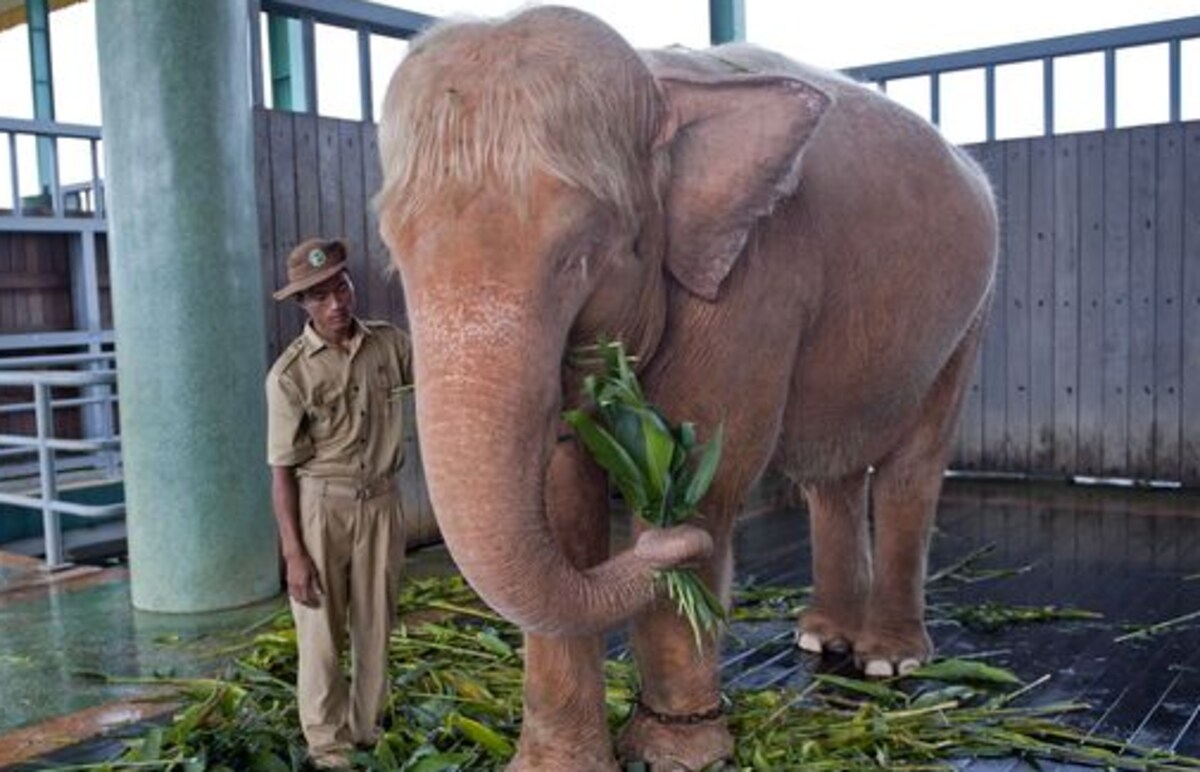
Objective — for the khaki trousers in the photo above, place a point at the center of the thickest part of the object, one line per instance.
(355, 539)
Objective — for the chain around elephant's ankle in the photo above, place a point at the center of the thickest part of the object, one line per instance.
(683, 719)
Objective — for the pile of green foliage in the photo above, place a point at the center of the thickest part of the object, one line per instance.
(456, 672)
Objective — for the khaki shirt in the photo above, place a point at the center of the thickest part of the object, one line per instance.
(339, 413)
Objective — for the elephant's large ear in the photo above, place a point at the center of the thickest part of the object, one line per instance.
(735, 150)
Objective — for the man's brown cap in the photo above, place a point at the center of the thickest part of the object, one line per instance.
(312, 262)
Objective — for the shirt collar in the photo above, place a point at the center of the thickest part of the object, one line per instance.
(314, 343)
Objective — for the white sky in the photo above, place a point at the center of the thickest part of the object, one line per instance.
(838, 33)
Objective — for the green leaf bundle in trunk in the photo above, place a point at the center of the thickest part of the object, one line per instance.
(659, 469)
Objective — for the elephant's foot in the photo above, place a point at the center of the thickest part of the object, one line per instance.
(820, 631)
(676, 743)
(539, 757)
(893, 650)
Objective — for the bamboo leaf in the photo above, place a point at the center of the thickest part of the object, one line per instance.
(659, 444)
(611, 456)
(959, 670)
(482, 735)
(871, 689)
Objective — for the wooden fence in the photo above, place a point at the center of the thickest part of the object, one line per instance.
(1091, 365)
(316, 176)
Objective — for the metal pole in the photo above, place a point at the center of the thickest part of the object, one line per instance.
(727, 21)
(51, 528)
(1048, 96)
(38, 15)
(364, 74)
(1110, 88)
(935, 98)
(1176, 81)
(989, 99)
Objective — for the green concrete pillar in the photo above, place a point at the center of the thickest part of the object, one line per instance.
(187, 301)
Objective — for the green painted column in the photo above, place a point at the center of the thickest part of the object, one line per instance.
(187, 301)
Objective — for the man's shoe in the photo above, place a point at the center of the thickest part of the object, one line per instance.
(331, 759)
(368, 742)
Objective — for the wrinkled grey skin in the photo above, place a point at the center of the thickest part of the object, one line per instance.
(791, 255)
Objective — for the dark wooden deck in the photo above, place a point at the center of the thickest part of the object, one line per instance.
(1132, 556)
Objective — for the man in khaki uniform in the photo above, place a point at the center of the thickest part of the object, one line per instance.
(335, 441)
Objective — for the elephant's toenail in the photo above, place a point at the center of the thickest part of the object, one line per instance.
(878, 668)
(809, 642)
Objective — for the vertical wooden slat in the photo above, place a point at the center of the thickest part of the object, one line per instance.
(329, 194)
(968, 450)
(1190, 406)
(1116, 303)
(7, 318)
(1041, 305)
(353, 211)
(266, 227)
(1142, 237)
(995, 341)
(308, 183)
(387, 299)
(1017, 230)
(1091, 304)
(283, 204)
(1168, 342)
(1066, 302)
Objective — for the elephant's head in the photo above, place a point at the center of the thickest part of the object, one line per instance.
(543, 187)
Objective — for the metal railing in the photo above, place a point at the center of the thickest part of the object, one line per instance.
(1108, 42)
(55, 207)
(100, 452)
(363, 18)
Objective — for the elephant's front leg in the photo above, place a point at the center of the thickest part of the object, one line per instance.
(564, 727)
(565, 724)
(679, 722)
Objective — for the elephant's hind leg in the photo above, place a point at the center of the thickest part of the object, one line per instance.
(904, 493)
(841, 557)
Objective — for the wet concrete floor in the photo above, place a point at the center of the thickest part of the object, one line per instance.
(1132, 556)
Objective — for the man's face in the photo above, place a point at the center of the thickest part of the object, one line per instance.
(330, 306)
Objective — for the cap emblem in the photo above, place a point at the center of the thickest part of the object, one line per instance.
(317, 258)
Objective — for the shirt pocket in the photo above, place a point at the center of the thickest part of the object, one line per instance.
(323, 415)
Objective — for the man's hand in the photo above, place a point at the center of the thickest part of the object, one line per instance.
(303, 581)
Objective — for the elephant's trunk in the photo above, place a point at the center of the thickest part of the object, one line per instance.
(487, 411)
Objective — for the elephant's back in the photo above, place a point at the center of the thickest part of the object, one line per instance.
(903, 227)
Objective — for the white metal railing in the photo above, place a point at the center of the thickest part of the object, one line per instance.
(100, 451)
(56, 206)
(1048, 52)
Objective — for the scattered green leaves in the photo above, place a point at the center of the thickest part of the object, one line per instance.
(455, 706)
(990, 617)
